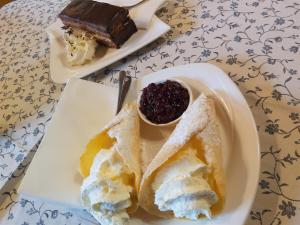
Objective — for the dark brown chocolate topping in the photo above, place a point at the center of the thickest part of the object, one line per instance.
(98, 15)
(110, 24)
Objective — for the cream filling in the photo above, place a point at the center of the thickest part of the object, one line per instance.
(104, 192)
(80, 47)
(181, 188)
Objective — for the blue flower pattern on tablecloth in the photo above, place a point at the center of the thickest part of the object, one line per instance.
(256, 42)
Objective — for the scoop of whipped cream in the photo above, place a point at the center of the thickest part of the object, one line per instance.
(181, 187)
(80, 46)
(106, 191)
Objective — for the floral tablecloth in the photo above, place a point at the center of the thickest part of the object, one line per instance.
(256, 42)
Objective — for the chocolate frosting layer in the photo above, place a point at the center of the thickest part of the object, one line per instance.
(110, 24)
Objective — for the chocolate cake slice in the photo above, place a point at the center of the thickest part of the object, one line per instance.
(109, 24)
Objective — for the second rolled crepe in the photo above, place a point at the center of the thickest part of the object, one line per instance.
(185, 179)
(111, 168)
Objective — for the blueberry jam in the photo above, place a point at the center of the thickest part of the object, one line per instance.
(164, 102)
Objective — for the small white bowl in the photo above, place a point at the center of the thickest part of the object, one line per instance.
(143, 117)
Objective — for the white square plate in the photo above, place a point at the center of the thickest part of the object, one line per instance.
(61, 72)
(86, 107)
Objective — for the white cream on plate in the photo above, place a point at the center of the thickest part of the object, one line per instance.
(80, 47)
(106, 192)
(181, 188)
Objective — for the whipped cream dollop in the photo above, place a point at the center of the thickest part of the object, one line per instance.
(80, 46)
(180, 187)
(106, 192)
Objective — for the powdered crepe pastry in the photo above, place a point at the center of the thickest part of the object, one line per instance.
(110, 166)
(185, 179)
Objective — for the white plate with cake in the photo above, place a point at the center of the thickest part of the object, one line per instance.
(214, 146)
(90, 35)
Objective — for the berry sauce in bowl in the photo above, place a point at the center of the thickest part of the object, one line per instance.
(163, 103)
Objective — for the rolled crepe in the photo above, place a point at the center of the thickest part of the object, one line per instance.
(185, 179)
(111, 167)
